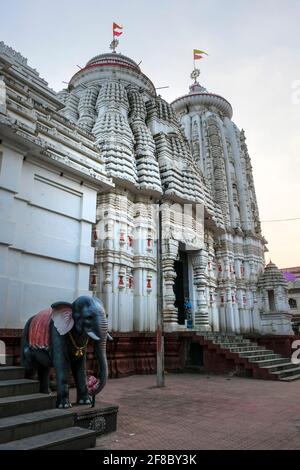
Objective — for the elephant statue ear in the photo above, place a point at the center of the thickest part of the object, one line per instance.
(62, 317)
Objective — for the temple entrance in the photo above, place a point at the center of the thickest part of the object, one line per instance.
(195, 356)
(181, 286)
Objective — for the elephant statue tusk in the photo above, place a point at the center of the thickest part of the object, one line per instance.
(93, 336)
(110, 338)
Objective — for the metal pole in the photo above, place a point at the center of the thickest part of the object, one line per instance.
(160, 372)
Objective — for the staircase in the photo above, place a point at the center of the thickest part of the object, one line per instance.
(30, 421)
(248, 356)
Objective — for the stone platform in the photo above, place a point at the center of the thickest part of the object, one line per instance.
(30, 421)
(102, 418)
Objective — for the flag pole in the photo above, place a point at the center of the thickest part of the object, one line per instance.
(113, 40)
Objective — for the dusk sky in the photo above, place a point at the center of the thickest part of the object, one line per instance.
(253, 62)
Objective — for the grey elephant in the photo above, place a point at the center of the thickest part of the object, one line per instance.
(58, 336)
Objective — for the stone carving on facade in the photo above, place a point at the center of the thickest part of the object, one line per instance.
(199, 262)
(98, 424)
(169, 255)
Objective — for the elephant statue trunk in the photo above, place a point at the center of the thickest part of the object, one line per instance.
(100, 354)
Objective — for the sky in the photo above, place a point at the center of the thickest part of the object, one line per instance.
(253, 62)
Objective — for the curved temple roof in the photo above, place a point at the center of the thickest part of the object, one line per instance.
(109, 62)
(198, 95)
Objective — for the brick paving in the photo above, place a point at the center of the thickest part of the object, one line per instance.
(200, 412)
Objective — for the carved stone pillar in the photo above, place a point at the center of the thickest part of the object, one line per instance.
(169, 254)
(199, 262)
(108, 291)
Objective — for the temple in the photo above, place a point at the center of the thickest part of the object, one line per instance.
(82, 174)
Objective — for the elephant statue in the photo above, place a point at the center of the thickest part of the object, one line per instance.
(58, 336)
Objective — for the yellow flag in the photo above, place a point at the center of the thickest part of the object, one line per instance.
(197, 51)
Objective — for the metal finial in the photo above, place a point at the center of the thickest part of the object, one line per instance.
(195, 74)
(114, 44)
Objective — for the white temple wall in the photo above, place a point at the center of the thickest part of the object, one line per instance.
(126, 261)
(45, 237)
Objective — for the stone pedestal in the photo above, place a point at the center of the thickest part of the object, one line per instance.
(276, 324)
(102, 418)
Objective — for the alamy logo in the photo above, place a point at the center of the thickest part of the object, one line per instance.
(295, 356)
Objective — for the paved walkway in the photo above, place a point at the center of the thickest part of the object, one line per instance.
(197, 412)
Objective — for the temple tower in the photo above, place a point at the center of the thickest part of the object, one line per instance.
(273, 302)
(220, 152)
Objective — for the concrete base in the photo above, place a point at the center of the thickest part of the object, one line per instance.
(102, 419)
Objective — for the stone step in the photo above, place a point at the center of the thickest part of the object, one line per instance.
(10, 388)
(32, 424)
(227, 339)
(269, 362)
(279, 367)
(287, 373)
(220, 335)
(291, 378)
(72, 438)
(233, 341)
(20, 404)
(265, 359)
(244, 348)
(6, 360)
(256, 352)
(11, 373)
(234, 345)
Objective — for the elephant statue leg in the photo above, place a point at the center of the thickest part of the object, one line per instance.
(79, 374)
(43, 375)
(62, 389)
(29, 366)
(62, 376)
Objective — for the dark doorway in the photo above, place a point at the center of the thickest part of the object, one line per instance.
(181, 285)
(196, 355)
(271, 298)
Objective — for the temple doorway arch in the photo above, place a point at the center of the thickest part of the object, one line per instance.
(181, 283)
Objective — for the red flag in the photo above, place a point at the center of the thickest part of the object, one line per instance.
(115, 27)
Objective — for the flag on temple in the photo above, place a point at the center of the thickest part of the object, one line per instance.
(198, 54)
(115, 28)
